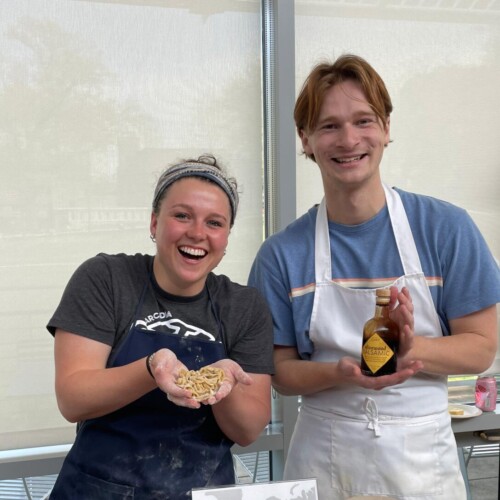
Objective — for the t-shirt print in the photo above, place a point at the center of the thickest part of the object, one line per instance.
(165, 322)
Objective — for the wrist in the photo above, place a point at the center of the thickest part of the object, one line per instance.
(149, 364)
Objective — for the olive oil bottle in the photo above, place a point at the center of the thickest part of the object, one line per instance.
(380, 339)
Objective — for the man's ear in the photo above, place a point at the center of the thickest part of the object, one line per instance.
(304, 138)
(387, 131)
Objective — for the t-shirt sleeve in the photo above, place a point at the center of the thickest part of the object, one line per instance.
(471, 276)
(268, 277)
(252, 348)
(86, 306)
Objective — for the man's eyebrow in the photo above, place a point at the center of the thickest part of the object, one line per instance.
(329, 118)
(356, 114)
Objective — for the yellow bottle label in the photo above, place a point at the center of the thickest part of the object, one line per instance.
(376, 353)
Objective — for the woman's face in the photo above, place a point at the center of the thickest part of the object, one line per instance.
(191, 231)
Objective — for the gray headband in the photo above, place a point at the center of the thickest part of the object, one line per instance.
(194, 169)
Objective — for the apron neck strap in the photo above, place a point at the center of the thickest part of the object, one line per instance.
(402, 233)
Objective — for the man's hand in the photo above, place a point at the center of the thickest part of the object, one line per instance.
(350, 370)
(402, 315)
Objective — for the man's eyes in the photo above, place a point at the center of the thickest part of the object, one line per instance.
(366, 121)
(328, 126)
(363, 122)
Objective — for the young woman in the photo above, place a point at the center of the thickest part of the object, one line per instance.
(127, 325)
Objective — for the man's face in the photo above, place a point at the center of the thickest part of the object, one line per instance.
(349, 139)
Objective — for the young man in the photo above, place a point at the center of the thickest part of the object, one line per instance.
(358, 435)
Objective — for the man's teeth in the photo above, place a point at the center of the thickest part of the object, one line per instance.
(195, 252)
(347, 160)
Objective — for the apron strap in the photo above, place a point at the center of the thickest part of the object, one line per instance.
(408, 253)
(371, 411)
(402, 232)
(322, 260)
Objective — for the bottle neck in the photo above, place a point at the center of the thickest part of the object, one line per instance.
(381, 310)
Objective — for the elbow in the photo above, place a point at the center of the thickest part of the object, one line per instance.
(252, 431)
(250, 435)
(67, 410)
(281, 388)
(247, 440)
(484, 364)
(71, 417)
(283, 391)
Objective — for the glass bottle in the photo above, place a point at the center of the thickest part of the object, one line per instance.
(380, 339)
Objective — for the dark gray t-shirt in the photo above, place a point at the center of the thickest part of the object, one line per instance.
(103, 298)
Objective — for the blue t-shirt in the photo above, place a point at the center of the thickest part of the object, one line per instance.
(460, 270)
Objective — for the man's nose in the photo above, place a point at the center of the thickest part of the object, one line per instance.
(348, 136)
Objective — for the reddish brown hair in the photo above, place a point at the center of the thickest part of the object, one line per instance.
(325, 75)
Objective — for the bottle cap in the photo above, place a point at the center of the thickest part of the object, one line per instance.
(383, 296)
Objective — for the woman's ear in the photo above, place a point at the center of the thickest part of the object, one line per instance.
(153, 224)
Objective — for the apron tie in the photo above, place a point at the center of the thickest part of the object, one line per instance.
(371, 411)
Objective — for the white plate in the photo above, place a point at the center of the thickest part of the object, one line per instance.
(469, 411)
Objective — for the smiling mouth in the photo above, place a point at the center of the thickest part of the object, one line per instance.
(192, 253)
(349, 160)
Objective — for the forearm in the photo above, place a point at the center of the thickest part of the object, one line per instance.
(301, 377)
(92, 393)
(471, 348)
(455, 354)
(246, 411)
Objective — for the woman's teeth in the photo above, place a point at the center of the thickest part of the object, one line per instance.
(193, 252)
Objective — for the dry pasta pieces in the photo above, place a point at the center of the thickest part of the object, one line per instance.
(202, 383)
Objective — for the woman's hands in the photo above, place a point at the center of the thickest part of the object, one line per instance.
(233, 375)
(166, 369)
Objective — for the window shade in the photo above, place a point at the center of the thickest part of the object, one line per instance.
(96, 98)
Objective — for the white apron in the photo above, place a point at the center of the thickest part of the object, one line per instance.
(396, 442)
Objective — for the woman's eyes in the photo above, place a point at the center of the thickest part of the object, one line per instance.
(185, 216)
(215, 223)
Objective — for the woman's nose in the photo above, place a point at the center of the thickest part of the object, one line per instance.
(196, 230)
